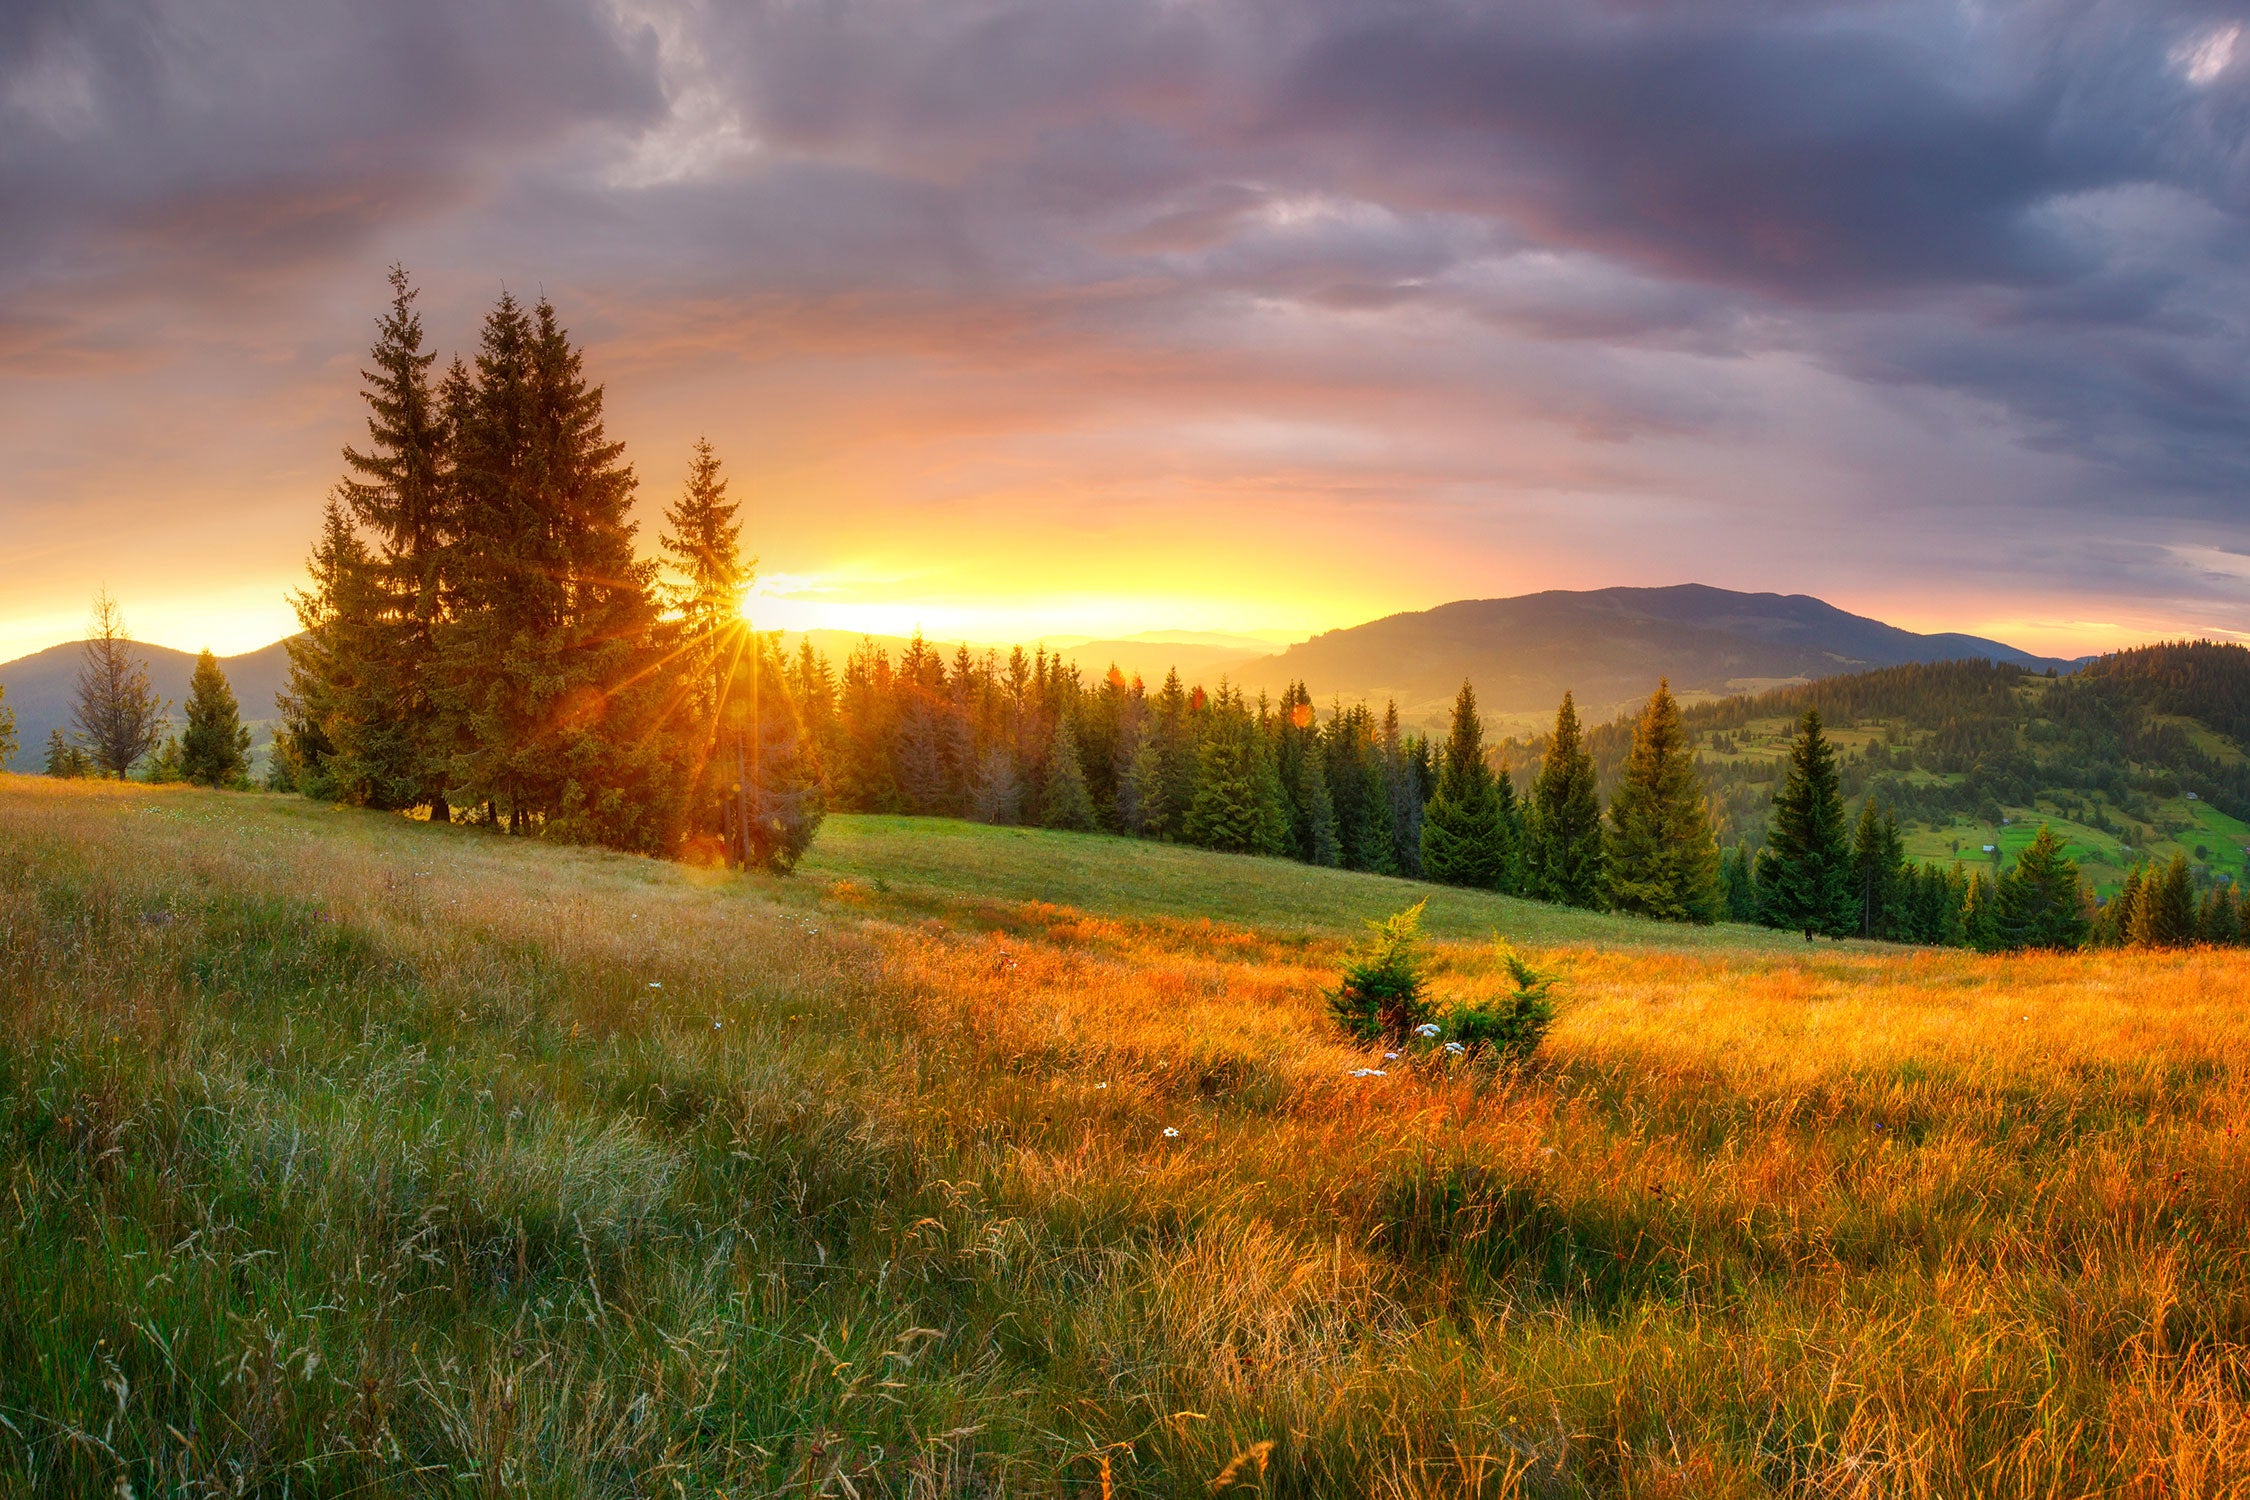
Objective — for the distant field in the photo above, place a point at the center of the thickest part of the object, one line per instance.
(345, 1155)
(962, 870)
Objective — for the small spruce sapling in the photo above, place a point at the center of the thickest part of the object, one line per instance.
(1380, 996)
(1510, 1027)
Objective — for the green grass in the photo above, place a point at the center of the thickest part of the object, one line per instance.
(950, 867)
(350, 1156)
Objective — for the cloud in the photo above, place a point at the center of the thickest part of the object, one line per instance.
(1739, 266)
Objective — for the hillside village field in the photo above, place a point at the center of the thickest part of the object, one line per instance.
(348, 1155)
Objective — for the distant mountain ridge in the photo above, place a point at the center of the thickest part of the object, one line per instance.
(43, 690)
(1606, 646)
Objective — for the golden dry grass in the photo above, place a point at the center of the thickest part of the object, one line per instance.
(350, 1154)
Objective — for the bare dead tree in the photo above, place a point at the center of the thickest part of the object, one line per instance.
(119, 716)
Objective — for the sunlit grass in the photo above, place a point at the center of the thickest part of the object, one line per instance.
(349, 1154)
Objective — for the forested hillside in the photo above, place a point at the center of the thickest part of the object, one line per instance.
(2135, 755)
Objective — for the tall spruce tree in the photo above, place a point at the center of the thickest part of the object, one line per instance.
(1806, 875)
(549, 689)
(1464, 828)
(1563, 826)
(702, 543)
(1660, 859)
(321, 697)
(7, 731)
(391, 745)
(118, 716)
(2042, 901)
(215, 749)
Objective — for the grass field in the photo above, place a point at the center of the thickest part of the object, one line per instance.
(345, 1155)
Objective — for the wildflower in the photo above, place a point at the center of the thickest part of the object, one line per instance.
(652, 984)
(1390, 1057)
(1427, 1028)
(1102, 1085)
(1369, 1073)
(1170, 1133)
(1455, 1048)
(715, 1025)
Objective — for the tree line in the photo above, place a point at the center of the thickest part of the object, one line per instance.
(483, 643)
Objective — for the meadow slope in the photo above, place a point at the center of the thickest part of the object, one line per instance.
(345, 1155)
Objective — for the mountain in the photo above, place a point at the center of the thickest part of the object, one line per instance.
(1607, 646)
(43, 690)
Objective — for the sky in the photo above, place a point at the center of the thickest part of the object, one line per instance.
(1088, 317)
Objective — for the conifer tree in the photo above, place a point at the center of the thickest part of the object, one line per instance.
(2113, 923)
(119, 718)
(814, 686)
(1464, 829)
(1660, 859)
(1162, 774)
(1980, 915)
(2164, 916)
(702, 542)
(2042, 901)
(551, 703)
(773, 805)
(7, 730)
(996, 796)
(319, 703)
(1879, 873)
(215, 749)
(1065, 801)
(2219, 923)
(1304, 779)
(1805, 878)
(397, 492)
(1563, 827)
(864, 778)
(1511, 832)
(163, 767)
(1351, 757)
(65, 759)
(1238, 806)
(1405, 773)
(1737, 886)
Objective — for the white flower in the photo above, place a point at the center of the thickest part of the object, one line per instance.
(1170, 1133)
(1390, 1057)
(1369, 1073)
(1101, 1085)
(1427, 1028)
(1455, 1048)
(715, 1025)
(652, 984)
